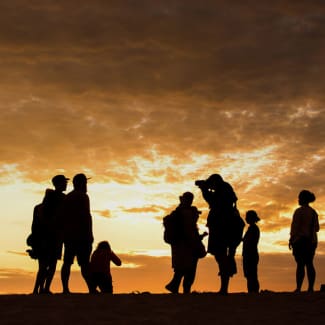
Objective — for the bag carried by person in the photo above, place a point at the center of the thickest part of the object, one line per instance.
(33, 239)
(237, 227)
(201, 251)
(172, 227)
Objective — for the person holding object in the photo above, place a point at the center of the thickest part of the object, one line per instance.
(225, 225)
(46, 234)
(186, 246)
(303, 239)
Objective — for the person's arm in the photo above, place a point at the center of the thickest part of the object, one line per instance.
(316, 224)
(115, 259)
(88, 217)
(293, 229)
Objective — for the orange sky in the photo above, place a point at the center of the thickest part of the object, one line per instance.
(148, 96)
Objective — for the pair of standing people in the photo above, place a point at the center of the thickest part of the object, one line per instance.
(302, 242)
(62, 220)
(225, 234)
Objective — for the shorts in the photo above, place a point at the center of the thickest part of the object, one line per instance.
(304, 250)
(77, 248)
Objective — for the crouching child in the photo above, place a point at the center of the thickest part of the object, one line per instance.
(100, 271)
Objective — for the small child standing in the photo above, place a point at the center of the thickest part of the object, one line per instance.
(100, 273)
(250, 252)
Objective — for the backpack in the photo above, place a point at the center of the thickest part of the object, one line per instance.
(172, 227)
(32, 239)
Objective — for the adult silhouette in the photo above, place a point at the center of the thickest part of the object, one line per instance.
(186, 246)
(77, 231)
(303, 239)
(224, 223)
(46, 233)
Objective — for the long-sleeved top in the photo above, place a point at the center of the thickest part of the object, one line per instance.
(101, 259)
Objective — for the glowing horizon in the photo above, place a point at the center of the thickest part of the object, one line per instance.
(147, 98)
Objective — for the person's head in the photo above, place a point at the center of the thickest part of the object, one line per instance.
(60, 182)
(104, 245)
(305, 197)
(80, 182)
(251, 217)
(214, 181)
(186, 199)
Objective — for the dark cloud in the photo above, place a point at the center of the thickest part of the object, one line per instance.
(137, 91)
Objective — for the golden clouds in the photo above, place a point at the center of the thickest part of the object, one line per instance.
(147, 97)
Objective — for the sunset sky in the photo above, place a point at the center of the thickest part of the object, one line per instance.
(145, 97)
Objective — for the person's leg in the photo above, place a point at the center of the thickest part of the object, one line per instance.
(222, 260)
(173, 285)
(83, 256)
(40, 277)
(94, 281)
(189, 278)
(224, 284)
(65, 275)
(105, 283)
(86, 276)
(300, 275)
(311, 275)
(253, 285)
(68, 258)
(50, 274)
(256, 284)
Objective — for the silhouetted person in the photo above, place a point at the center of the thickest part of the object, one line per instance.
(303, 239)
(100, 271)
(77, 231)
(224, 223)
(185, 253)
(250, 252)
(46, 233)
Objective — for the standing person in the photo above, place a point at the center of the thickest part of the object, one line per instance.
(46, 233)
(303, 239)
(100, 271)
(250, 252)
(185, 249)
(77, 231)
(225, 225)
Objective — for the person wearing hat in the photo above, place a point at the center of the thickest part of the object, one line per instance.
(225, 225)
(77, 231)
(250, 252)
(46, 229)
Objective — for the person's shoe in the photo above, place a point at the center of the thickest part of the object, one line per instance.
(171, 288)
(94, 291)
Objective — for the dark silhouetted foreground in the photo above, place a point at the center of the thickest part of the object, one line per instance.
(265, 308)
